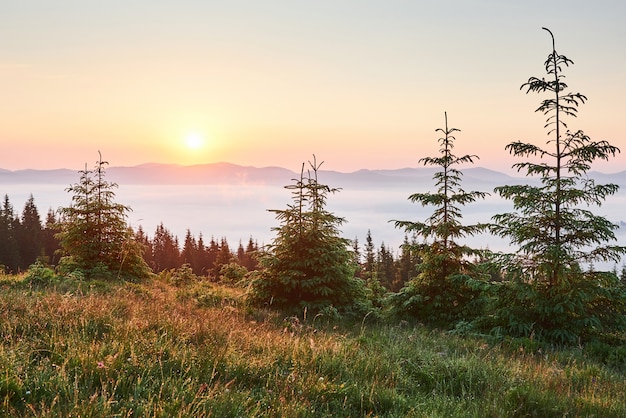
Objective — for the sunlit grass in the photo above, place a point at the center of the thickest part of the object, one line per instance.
(197, 350)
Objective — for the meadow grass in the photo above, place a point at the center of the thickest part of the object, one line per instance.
(158, 350)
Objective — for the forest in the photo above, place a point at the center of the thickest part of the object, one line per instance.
(108, 320)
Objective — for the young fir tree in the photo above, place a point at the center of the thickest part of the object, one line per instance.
(94, 235)
(439, 293)
(308, 264)
(550, 295)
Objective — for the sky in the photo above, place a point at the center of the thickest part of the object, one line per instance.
(360, 84)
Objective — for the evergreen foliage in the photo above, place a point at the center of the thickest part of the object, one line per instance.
(24, 240)
(440, 292)
(165, 250)
(548, 294)
(407, 263)
(29, 233)
(369, 266)
(223, 257)
(9, 247)
(49, 243)
(94, 235)
(247, 257)
(308, 264)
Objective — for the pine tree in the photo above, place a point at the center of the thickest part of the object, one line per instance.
(439, 292)
(249, 256)
(308, 264)
(385, 267)
(407, 264)
(189, 254)
(146, 244)
(552, 297)
(224, 257)
(369, 266)
(94, 235)
(356, 258)
(202, 256)
(49, 241)
(165, 250)
(9, 249)
(241, 253)
(29, 234)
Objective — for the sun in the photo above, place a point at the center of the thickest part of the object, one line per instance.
(194, 141)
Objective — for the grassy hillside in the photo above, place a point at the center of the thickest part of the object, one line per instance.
(192, 350)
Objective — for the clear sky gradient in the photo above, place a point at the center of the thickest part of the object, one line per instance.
(362, 84)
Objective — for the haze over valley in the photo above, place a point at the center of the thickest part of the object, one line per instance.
(232, 201)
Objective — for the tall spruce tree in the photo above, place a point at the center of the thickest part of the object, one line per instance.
(94, 235)
(148, 254)
(308, 264)
(29, 234)
(49, 241)
(248, 259)
(385, 267)
(369, 264)
(407, 263)
(189, 252)
(439, 293)
(550, 295)
(165, 249)
(224, 257)
(9, 248)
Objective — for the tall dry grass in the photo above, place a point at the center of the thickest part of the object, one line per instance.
(198, 350)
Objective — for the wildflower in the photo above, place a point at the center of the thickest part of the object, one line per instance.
(100, 365)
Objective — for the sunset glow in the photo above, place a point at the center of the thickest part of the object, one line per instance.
(194, 141)
(361, 85)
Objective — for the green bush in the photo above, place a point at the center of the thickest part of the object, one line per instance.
(579, 310)
(232, 273)
(181, 276)
(41, 275)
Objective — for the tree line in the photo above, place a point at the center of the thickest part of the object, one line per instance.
(25, 239)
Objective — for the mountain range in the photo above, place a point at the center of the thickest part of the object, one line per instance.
(227, 173)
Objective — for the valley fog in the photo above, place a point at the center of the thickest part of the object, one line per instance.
(238, 212)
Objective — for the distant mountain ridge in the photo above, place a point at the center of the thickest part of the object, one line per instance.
(231, 174)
